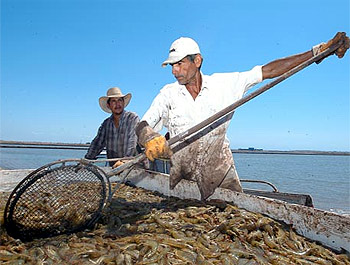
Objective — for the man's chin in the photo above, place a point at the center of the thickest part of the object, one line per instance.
(118, 112)
(181, 82)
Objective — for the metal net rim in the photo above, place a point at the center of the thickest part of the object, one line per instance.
(39, 173)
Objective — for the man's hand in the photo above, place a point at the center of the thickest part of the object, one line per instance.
(157, 147)
(85, 161)
(340, 37)
(155, 144)
(344, 47)
(118, 163)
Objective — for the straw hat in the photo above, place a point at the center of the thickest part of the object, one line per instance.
(113, 92)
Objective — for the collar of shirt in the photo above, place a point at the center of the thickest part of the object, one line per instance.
(120, 118)
(183, 90)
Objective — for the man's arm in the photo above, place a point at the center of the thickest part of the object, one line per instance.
(281, 66)
(97, 144)
(147, 130)
(131, 136)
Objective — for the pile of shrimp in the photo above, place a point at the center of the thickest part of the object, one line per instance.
(143, 227)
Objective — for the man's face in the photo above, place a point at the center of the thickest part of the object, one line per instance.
(185, 70)
(116, 105)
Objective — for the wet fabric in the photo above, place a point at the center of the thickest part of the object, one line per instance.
(231, 180)
(206, 161)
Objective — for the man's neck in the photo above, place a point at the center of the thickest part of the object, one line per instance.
(194, 87)
(116, 118)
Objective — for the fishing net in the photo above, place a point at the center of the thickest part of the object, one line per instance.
(61, 197)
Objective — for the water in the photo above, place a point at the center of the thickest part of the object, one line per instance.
(27, 158)
(325, 178)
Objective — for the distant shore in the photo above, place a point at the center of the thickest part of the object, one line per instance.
(81, 146)
(291, 152)
(43, 145)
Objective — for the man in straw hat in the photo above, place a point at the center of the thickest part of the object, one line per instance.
(117, 132)
(194, 98)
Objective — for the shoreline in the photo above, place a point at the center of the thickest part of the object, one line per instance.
(75, 146)
(292, 152)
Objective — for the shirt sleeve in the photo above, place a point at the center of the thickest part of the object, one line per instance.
(230, 87)
(98, 143)
(252, 77)
(156, 114)
(132, 138)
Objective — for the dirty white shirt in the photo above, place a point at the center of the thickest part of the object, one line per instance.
(175, 109)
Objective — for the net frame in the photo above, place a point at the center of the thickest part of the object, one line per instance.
(65, 207)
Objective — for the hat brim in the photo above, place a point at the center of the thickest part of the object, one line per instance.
(173, 59)
(103, 101)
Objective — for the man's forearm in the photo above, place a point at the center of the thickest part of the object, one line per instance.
(281, 66)
(95, 149)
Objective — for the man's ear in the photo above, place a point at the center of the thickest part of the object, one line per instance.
(198, 60)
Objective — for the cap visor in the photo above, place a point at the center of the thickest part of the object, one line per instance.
(173, 59)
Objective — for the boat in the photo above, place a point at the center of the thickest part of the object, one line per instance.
(330, 229)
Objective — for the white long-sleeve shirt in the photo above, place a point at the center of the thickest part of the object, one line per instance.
(208, 159)
(175, 109)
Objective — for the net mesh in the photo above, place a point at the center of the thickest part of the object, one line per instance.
(56, 200)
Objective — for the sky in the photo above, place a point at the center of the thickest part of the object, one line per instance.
(59, 56)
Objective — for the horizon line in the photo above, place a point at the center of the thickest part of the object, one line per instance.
(236, 150)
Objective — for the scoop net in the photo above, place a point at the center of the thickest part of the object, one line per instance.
(59, 198)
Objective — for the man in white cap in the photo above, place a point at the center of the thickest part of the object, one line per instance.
(117, 132)
(195, 97)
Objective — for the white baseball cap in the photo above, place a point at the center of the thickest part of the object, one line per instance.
(180, 48)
